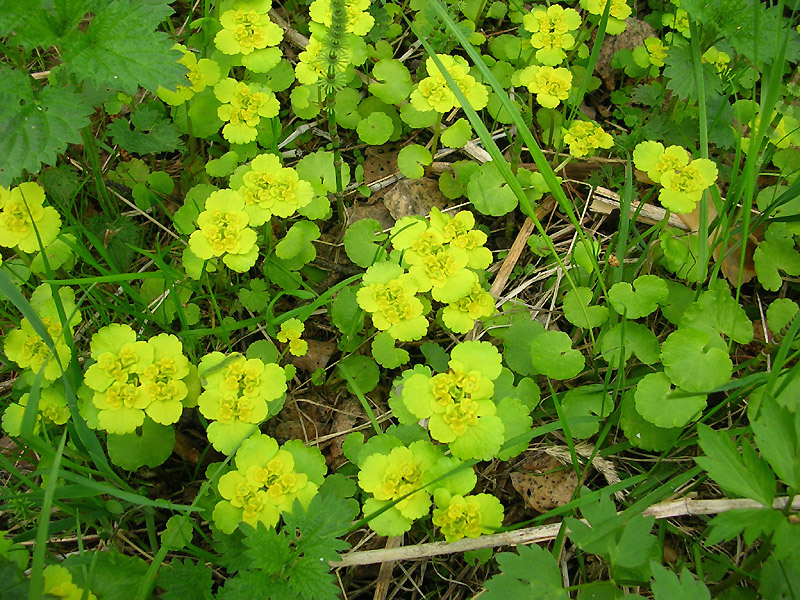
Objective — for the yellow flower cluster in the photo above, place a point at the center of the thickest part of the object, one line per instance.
(223, 231)
(25, 223)
(433, 92)
(242, 107)
(584, 137)
(551, 85)
(551, 28)
(290, 333)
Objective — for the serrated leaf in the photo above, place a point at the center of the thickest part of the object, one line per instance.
(152, 131)
(360, 242)
(727, 467)
(679, 70)
(321, 524)
(256, 297)
(35, 127)
(532, 573)
(185, 579)
(114, 575)
(412, 159)
(269, 550)
(716, 311)
(667, 586)
(777, 433)
(121, 49)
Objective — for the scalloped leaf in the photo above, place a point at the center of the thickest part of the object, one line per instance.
(552, 355)
(641, 298)
(664, 406)
(578, 312)
(695, 360)
(360, 242)
(412, 160)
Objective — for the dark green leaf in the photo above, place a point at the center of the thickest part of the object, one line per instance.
(185, 579)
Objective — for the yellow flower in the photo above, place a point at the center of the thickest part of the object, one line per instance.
(617, 14)
(584, 137)
(684, 186)
(650, 56)
(250, 33)
(678, 21)
(551, 29)
(720, 60)
(24, 221)
(290, 333)
(202, 73)
(312, 64)
(223, 231)
(359, 21)
(268, 189)
(433, 93)
(389, 295)
(652, 158)
(551, 85)
(243, 106)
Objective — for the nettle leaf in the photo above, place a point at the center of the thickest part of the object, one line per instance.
(150, 447)
(641, 298)
(114, 575)
(585, 407)
(412, 160)
(489, 192)
(152, 131)
(360, 242)
(394, 81)
(386, 354)
(743, 474)
(642, 433)
(577, 310)
(716, 311)
(552, 355)
(458, 134)
(36, 125)
(777, 433)
(185, 579)
(667, 586)
(664, 406)
(41, 24)
(776, 253)
(121, 50)
(634, 338)
(296, 247)
(695, 360)
(679, 70)
(375, 129)
(531, 573)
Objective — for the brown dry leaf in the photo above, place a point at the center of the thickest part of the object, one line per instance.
(185, 449)
(413, 197)
(377, 211)
(345, 418)
(318, 356)
(379, 162)
(548, 485)
(634, 35)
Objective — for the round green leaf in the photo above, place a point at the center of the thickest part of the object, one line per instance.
(458, 134)
(417, 119)
(780, 313)
(578, 312)
(552, 355)
(394, 81)
(224, 165)
(517, 341)
(665, 406)
(376, 129)
(149, 447)
(411, 160)
(642, 433)
(696, 360)
(360, 242)
(639, 300)
(346, 106)
(296, 246)
(635, 338)
(584, 407)
(385, 353)
(363, 372)
(489, 193)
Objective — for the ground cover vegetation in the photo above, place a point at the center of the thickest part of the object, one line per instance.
(421, 299)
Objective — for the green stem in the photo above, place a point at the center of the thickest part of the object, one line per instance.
(437, 130)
